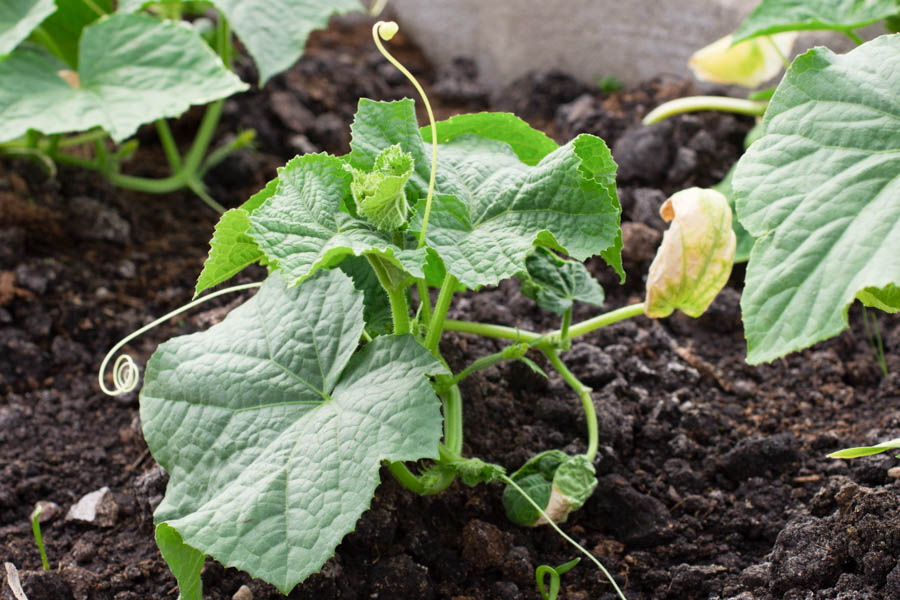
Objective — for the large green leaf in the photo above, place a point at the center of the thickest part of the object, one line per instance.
(301, 228)
(275, 31)
(185, 562)
(64, 27)
(529, 144)
(773, 16)
(133, 69)
(820, 192)
(555, 283)
(18, 18)
(273, 430)
(493, 209)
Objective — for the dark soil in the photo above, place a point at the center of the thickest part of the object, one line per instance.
(713, 480)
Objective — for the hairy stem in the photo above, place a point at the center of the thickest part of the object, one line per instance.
(424, 300)
(453, 426)
(396, 295)
(436, 325)
(696, 103)
(492, 331)
(584, 394)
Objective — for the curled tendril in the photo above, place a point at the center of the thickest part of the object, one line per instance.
(125, 372)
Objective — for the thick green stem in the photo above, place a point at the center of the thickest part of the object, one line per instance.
(424, 300)
(492, 331)
(223, 40)
(584, 394)
(600, 321)
(696, 103)
(168, 144)
(396, 295)
(436, 325)
(453, 433)
(406, 478)
(564, 339)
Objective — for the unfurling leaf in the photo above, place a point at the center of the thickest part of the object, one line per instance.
(560, 484)
(696, 255)
(379, 194)
(748, 63)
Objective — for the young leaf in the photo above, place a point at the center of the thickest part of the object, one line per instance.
(18, 18)
(184, 562)
(493, 209)
(301, 229)
(273, 430)
(886, 298)
(772, 16)
(554, 283)
(694, 261)
(231, 248)
(379, 193)
(867, 450)
(529, 144)
(133, 69)
(819, 192)
(559, 483)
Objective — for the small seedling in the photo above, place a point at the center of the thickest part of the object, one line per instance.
(544, 570)
(36, 529)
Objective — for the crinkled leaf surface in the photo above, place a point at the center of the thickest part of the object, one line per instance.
(301, 229)
(133, 69)
(772, 16)
(820, 192)
(231, 248)
(492, 209)
(377, 305)
(272, 429)
(184, 562)
(18, 18)
(529, 144)
(554, 283)
(64, 27)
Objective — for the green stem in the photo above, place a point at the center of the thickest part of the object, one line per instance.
(852, 35)
(511, 352)
(695, 103)
(396, 295)
(168, 144)
(406, 478)
(424, 300)
(492, 331)
(196, 186)
(564, 340)
(93, 6)
(76, 161)
(453, 425)
(223, 40)
(100, 154)
(36, 529)
(77, 140)
(600, 321)
(584, 394)
(436, 325)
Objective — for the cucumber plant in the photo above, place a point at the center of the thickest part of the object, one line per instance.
(274, 424)
(81, 67)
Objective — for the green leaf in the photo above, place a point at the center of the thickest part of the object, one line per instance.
(529, 144)
(185, 562)
(272, 429)
(867, 450)
(65, 26)
(133, 69)
(18, 18)
(379, 194)
(231, 248)
(554, 283)
(493, 209)
(819, 192)
(517, 508)
(376, 305)
(275, 31)
(886, 298)
(557, 482)
(301, 229)
(773, 16)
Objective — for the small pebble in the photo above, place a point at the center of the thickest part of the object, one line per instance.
(97, 507)
(894, 472)
(49, 511)
(243, 593)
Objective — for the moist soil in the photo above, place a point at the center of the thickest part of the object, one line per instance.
(713, 479)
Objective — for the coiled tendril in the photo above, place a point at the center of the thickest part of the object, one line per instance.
(125, 372)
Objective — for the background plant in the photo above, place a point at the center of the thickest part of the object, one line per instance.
(80, 66)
